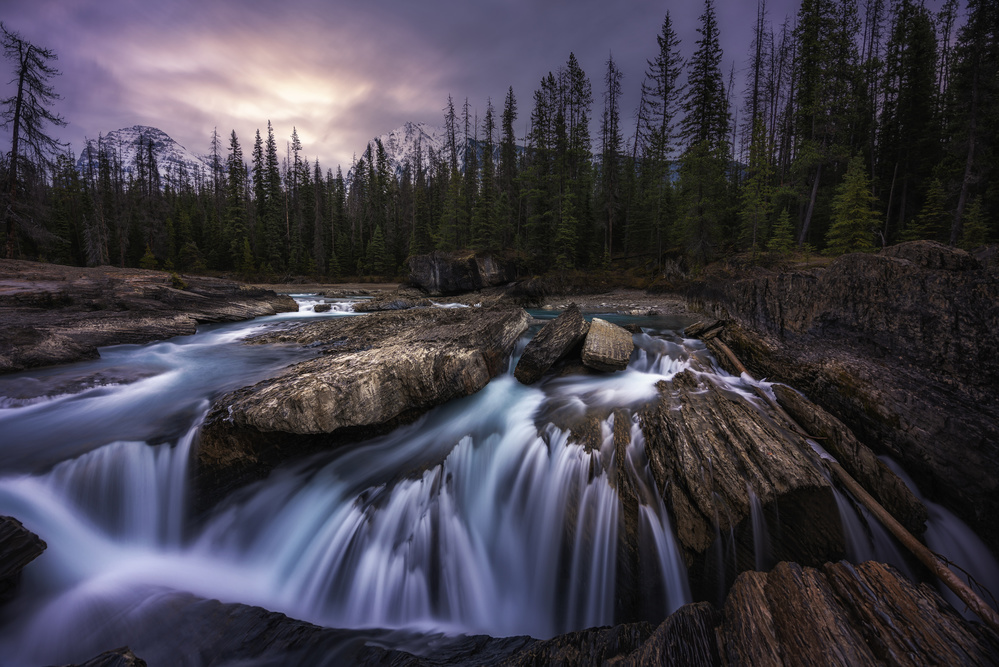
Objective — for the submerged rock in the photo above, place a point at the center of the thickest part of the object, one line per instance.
(608, 347)
(555, 340)
(56, 314)
(375, 372)
(18, 547)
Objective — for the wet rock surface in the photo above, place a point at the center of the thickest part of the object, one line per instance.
(710, 454)
(56, 314)
(843, 614)
(607, 347)
(18, 547)
(373, 373)
(899, 346)
(441, 273)
(555, 340)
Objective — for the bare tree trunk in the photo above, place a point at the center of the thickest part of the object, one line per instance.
(811, 207)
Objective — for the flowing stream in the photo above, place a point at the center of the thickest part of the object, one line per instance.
(482, 517)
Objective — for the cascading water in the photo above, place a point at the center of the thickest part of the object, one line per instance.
(484, 516)
(481, 517)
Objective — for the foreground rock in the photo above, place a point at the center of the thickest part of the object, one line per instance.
(555, 340)
(57, 314)
(375, 372)
(713, 458)
(838, 614)
(608, 347)
(843, 614)
(18, 547)
(441, 273)
(899, 346)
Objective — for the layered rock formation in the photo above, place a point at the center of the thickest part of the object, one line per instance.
(710, 455)
(607, 347)
(555, 340)
(56, 314)
(900, 346)
(441, 273)
(375, 372)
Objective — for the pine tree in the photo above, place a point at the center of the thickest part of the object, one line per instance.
(976, 230)
(508, 177)
(705, 126)
(782, 240)
(610, 144)
(854, 218)
(26, 112)
(933, 221)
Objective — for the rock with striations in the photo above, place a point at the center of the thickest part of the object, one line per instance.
(900, 346)
(556, 339)
(710, 455)
(856, 458)
(442, 273)
(843, 614)
(18, 547)
(607, 347)
(375, 372)
(55, 314)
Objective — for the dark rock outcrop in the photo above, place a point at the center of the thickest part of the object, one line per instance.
(844, 614)
(607, 347)
(18, 547)
(899, 346)
(555, 340)
(56, 314)
(375, 373)
(322, 308)
(708, 453)
(872, 474)
(686, 637)
(441, 273)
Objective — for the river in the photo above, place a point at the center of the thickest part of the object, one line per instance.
(479, 518)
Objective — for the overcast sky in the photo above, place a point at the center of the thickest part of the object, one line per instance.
(340, 72)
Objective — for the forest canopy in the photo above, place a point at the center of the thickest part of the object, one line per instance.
(859, 124)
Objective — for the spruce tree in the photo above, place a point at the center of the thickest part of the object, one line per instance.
(854, 215)
(976, 230)
(933, 221)
(782, 240)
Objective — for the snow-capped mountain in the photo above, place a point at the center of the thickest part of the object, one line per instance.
(401, 145)
(172, 160)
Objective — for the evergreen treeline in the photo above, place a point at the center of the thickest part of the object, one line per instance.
(861, 124)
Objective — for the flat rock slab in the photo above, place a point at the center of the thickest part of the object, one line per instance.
(375, 372)
(608, 347)
(555, 340)
(55, 314)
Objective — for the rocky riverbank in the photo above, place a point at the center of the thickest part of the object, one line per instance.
(900, 346)
(55, 314)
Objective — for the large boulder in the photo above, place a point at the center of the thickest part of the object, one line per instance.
(375, 372)
(899, 346)
(556, 339)
(607, 347)
(57, 314)
(442, 273)
(18, 547)
(714, 458)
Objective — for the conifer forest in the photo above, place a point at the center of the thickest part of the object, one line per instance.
(849, 125)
